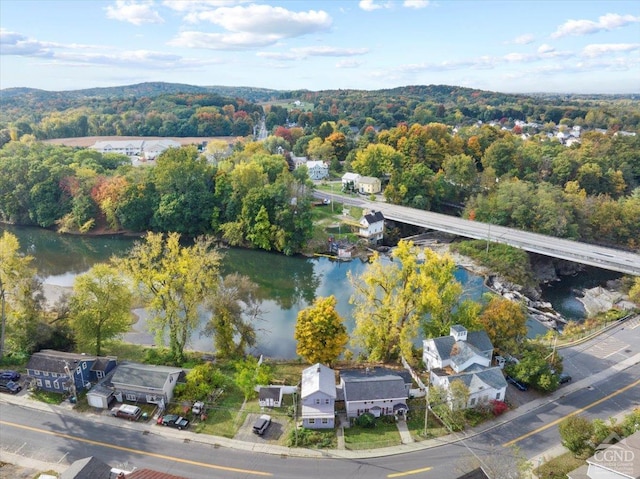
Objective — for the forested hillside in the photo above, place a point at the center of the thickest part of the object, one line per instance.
(565, 167)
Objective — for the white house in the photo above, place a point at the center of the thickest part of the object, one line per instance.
(379, 391)
(318, 397)
(318, 170)
(145, 149)
(152, 148)
(350, 181)
(270, 396)
(372, 226)
(465, 356)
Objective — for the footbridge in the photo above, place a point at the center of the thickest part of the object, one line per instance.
(598, 256)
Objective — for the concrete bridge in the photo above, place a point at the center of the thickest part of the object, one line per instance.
(598, 256)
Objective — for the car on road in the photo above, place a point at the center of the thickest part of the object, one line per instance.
(10, 387)
(564, 378)
(519, 384)
(127, 411)
(10, 375)
(262, 424)
(173, 420)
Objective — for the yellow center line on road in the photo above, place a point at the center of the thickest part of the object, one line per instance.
(574, 413)
(137, 451)
(409, 473)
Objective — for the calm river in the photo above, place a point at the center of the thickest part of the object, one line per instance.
(287, 284)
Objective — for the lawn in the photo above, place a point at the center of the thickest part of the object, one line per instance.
(557, 468)
(382, 435)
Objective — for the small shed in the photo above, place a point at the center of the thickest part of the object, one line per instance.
(100, 396)
(270, 396)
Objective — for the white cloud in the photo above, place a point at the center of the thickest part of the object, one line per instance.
(134, 12)
(296, 54)
(610, 21)
(330, 51)
(266, 20)
(417, 4)
(545, 48)
(371, 5)
(524, 39)
(348, 64)
(198, 5)
(14, 43)
(222, 41)
(599, 49)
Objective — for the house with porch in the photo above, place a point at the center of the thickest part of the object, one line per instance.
(372, 226)
(379, 391)
(145, 383)
(465, 356)
(318, 397)
(60, 372)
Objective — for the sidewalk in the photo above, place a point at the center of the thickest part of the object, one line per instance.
(407, 446)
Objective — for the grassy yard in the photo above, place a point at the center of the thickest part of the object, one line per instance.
(557, 468)
(382, 435)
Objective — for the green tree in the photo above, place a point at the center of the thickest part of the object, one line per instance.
(505, 322)
(575, 432)
(174, 280)
(250, 374)
(15, 278)
(320, 332)
(377, 160)
(392, 300)
(100, 307)
(200, 381)
(234, 307)
(634, 292)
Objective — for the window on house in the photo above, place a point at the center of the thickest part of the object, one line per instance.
(312, 421)
(327, 401)
(100, 374)
(84, 365)
(56, 384)
(47, 383)
(317, 400)
(39, 382)
(473, 401)
(45, 373)
(325, 420)
(130, 397)
(498, 396)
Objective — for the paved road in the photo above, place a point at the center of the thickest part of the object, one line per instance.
(57, 437)
(601, 257)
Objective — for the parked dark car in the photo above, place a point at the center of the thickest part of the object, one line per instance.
(262, 424)
(173, 420)
(520, 385)
(10, 375)
(10, 387)
(564, 378)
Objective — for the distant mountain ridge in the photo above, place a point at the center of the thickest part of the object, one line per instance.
(147, 89)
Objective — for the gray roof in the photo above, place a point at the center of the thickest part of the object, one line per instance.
(627, 447)
(143, 375)
(318, 378)
(377, 383)
(87, 468)
(55, 361)
(492, 377)
(477, 339)
(461, 352)
(270, 392)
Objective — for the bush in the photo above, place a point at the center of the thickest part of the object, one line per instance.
(325, 439)
(576, 432)
(366, 420)
(499, 407)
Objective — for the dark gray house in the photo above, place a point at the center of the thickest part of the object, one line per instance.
(57, 371)
(380, 391)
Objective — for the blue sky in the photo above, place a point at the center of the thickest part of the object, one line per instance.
(508, 46)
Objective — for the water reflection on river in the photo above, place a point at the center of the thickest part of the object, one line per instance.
(287, 284)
